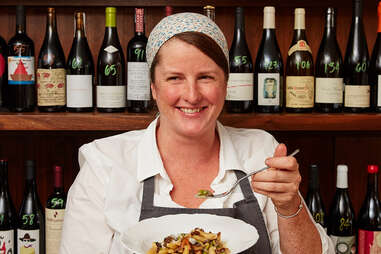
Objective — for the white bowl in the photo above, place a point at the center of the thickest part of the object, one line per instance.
(237, 234)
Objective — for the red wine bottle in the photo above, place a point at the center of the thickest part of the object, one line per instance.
(8, 217)
(51, 70)
(329, 69)
(313, 199)
(356, 65)
(3, 71)
(138, 82)
(299, 69)
(168, 10)
(375, 68)
(111, 87)
(80, 70)
(341, 223)
(21, 72)
(369, 220)
(239, 96)
(268, 71)
(54, 212)
(210, 12)
(30, 226)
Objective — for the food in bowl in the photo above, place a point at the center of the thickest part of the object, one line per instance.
(196, 242)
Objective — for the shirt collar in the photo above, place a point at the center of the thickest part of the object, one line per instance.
(149, 160)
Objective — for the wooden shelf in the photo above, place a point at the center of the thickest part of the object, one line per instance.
(178, 3)
(126, 121)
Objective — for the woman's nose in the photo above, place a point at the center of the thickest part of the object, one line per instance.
(192, 94)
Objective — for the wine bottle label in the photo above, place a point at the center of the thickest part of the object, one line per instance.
(28, 241)
(329, 90)
(299, 91)
(357, 96)
(301, 45)
(111, 49)
(240, 87)
(21, 70)
(138, 84)
(51, 89)
(379, 91)
(268, 89)
(54, 223)
(344, 244)
(7, 240)
(79, 91)
(111, 96)
(369, 242)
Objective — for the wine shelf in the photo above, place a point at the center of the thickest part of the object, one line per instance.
(126, 121)
(176, 3)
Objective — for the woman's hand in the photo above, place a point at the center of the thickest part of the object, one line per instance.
(280, 182)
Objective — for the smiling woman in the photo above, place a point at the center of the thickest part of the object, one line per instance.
(155, 172)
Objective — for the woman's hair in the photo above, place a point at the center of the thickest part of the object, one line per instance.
(205, 44)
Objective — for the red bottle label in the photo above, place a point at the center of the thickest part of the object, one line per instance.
(369, 242)
(2, 65)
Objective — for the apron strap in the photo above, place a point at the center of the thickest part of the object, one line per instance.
(148, 193)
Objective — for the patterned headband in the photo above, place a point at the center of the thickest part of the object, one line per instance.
(179, 23)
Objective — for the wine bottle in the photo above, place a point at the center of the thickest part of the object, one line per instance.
(54, 213)
(341, 224)
(239, 96)
(8, 215)
(356, 65)
(299, 69)
(209, 11)
(21, 72)
(375, 68)
(30, 226)
(3, 71)
(51, 70)
(138, 81)
(80, 70)
(168, 10)
(369, 220)
(268, 70)
(329, 69)
(111, 87)
(313, 199)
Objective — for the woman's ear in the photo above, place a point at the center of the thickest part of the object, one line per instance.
(153, 89)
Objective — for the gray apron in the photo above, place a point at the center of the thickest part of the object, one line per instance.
(247, 210)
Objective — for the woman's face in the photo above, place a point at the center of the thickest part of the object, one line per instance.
(189, 89)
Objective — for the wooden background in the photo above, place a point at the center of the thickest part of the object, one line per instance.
(356, 145)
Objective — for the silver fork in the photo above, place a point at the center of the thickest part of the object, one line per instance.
(208, 194)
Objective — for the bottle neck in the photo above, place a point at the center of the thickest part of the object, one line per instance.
(51, 28)
(3, 180)
(111, 33)
(299, 34)
(330, 26)
(357, 9)
(379, 18)
(20, 29)
(372, 188)
(79, 28)
(239, 27)
(30, 186)
(342, 180)
(20, 20)
(139, 21)
(269, 20)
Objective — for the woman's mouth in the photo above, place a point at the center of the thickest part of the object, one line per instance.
(191, 110)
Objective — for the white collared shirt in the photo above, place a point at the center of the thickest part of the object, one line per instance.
(106, 196)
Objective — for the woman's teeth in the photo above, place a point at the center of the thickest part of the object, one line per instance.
(190, 110)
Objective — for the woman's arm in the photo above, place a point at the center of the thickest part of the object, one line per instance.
(85, 229)
(281, 183)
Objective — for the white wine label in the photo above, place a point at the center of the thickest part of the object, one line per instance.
(111, 96)
(369, 242)
(7, 240)
(299, 46)
(28, 241)
(357, 96)
(379, 91)
(138, 85)
(111, 49)
(240, 87)
(21, 70)
(54, 222)
(268, 89)
(344, 244)
(51, 89)
(79, 91)
(329, 90)
(299, 91)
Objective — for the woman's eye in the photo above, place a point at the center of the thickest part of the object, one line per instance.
(206, 77)
(173, 78)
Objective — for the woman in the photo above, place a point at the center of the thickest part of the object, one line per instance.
(157, 171)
